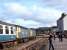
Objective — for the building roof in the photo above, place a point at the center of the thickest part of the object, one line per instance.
(47, 28)
(54, 26)
(44, 28)
(31, 28)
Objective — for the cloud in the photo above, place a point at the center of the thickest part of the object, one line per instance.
(32, 15)
(27, 23)
(56, 4)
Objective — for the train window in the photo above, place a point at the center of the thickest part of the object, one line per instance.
(1, 29)
(11, 30)
(7, 30)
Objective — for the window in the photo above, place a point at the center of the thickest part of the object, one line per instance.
(7, 30)
(1, 29)
(11, 30)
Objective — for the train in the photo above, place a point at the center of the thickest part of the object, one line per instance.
(11, 32)
(24, 33)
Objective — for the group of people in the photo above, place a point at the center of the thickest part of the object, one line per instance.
(60, 36)
(53, 35)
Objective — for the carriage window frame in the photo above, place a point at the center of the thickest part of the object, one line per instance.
(1, 29)
(12, 32)
(6, 30)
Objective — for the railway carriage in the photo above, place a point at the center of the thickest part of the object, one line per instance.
(32, 33)
(7, 32)
(22, 33)
(11, 33)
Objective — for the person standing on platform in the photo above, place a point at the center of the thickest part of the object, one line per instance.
(50, 42)
(60, 37)
(54, 35)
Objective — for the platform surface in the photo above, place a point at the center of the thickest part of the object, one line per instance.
(60, 45)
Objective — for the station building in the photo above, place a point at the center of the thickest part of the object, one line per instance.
(62, 23)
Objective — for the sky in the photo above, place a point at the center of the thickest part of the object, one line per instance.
(32, 13)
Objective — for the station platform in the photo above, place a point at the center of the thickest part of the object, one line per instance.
(58, 45)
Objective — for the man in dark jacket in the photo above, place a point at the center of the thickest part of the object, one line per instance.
(50, 42)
